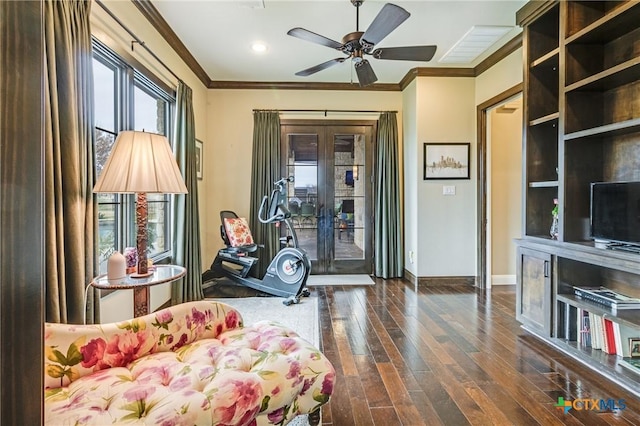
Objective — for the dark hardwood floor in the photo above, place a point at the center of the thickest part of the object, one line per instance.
(407, 355)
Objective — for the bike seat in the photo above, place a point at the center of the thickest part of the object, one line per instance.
(235, 232)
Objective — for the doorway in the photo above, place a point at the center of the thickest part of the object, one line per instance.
(499, 190)
(331, 200)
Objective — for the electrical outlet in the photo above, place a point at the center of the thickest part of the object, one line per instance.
(411, 257)
(448, 190)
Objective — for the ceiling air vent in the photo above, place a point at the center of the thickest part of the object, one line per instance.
(475, 42)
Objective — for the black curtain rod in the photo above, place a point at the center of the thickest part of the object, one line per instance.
(136, 39)
(325, 111)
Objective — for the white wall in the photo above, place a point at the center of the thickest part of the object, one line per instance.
(412, 169)
(119, 305)
(228, 145)
(441, 230)
(446, 229)
(500, 77)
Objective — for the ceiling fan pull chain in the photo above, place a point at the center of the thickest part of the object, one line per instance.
(351, 73)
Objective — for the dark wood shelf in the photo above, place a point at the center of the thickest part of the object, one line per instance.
(618, 22)
(595, 359)
(544, 184)
(582, 126)
(619, 75)
(546, 119)
(539, 237)
(601, 362)
(546, 31)
(628, 317)
(614, 129)
(550, 60)
(586, 252)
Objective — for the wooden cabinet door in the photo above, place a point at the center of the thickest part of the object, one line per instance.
(533, 291)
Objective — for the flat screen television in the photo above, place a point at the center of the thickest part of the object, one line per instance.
(615, 212)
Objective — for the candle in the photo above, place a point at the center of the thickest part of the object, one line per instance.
(116, 267)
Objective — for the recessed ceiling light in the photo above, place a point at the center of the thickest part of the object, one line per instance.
(259, 47)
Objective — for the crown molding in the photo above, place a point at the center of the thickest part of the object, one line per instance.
(158, 22)
(434, 72)
(511, 46)
(280, 85)
(532, 10)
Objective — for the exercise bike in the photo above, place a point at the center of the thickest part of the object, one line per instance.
(287, 274)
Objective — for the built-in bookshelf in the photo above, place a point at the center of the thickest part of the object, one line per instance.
(542, 115)
(599, 336)
(582, 125)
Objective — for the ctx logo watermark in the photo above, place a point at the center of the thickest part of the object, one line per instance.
(584, 404)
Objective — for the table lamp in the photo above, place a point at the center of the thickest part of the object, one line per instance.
(141, 163)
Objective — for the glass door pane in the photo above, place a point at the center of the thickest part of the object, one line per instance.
(349, 196)
(331, 197)
(302, 164)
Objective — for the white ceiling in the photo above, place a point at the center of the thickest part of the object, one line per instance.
(219, 34)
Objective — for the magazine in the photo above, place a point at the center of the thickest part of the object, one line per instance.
(607, 297)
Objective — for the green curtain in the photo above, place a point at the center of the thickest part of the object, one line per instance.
(186, 241)
(265, 171)
(389, 243)
(70, 216)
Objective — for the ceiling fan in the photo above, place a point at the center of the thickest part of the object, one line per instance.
(357, 44)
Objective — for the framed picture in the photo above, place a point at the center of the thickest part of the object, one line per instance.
(446, 161)
(199, 159)
(634, 347)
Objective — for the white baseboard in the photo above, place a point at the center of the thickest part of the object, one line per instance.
(503, 279)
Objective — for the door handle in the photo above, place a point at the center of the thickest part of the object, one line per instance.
(546, 269)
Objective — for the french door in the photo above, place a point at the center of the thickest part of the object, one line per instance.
(331, 198)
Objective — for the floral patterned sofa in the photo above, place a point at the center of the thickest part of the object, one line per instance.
(190, 364)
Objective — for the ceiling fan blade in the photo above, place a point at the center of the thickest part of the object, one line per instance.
(365, 73)
(388, 19)
(320, 67)
(408, 53)
(314, 38)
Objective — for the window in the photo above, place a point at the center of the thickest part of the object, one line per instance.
(125, 99)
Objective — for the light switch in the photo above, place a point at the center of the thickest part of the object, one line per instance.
(448, 190)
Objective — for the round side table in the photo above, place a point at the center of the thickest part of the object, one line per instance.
(162, 274)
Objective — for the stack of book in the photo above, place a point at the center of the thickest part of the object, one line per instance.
(607, 297)
(598, 332)
(602, 332)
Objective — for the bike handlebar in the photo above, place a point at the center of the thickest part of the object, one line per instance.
(280, 184)
(282, 212)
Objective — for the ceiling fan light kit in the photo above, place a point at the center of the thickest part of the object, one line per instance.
(357, 44)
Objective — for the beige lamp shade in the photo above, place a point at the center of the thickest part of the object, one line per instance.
(141, 162)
